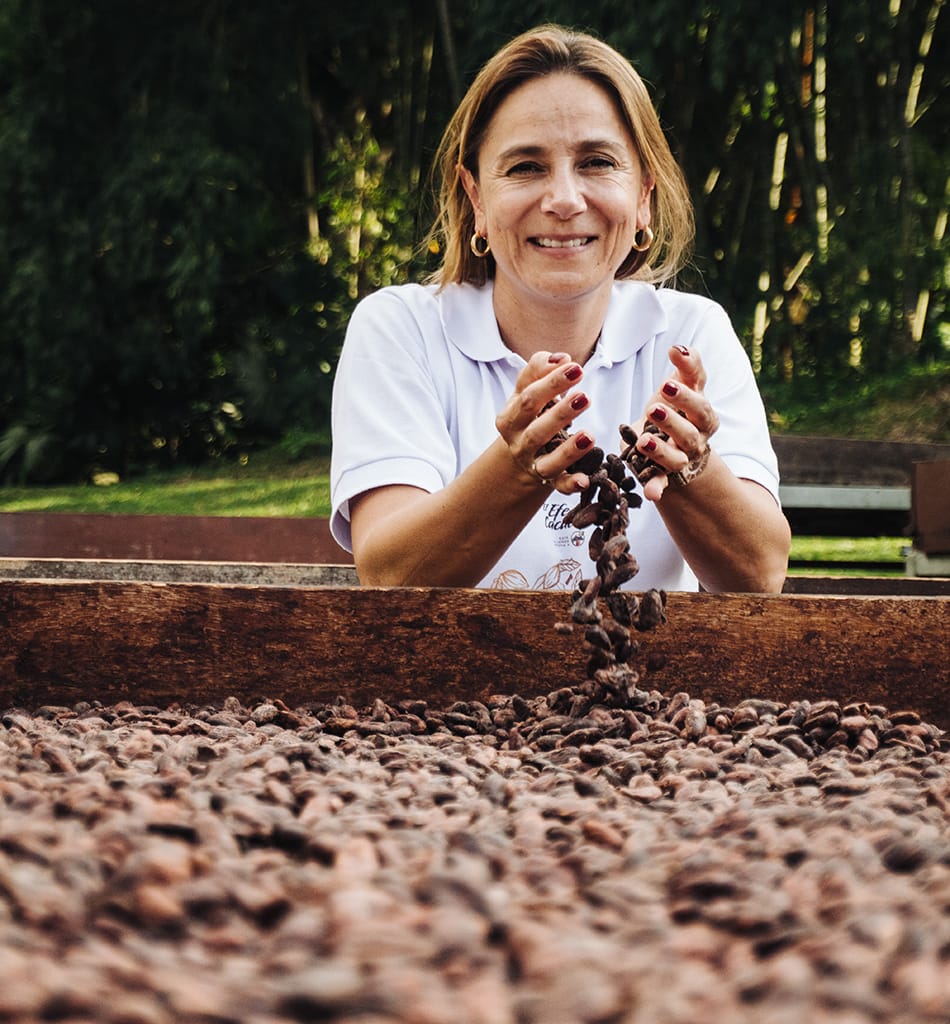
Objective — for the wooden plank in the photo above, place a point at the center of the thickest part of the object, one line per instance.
(169, 538)
(851, 463)
(854, 486)
(279, 574)
(930, 507)
(151, 643)
(265, 574)
(857, 499)
(930, 567)
(879, 586)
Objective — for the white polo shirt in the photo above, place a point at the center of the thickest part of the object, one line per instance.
(423, 374)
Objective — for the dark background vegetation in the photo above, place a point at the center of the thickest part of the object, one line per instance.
(193, 196)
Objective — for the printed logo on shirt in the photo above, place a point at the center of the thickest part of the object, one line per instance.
(554, 513)
(564, 536)
(563, 575)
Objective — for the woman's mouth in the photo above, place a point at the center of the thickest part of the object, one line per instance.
(561, 243)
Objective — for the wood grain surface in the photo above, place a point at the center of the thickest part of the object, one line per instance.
(63, 535)
(154, 643)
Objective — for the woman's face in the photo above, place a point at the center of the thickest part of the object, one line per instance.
(560, 192)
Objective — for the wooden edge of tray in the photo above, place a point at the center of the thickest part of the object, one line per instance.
(341, 575)
(163, 643)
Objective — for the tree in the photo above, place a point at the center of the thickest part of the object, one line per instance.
(192, 197)
(814, 139)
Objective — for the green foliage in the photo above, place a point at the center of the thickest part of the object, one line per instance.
(366, 213)
(193, 197)
(847, 243)
(913, 405)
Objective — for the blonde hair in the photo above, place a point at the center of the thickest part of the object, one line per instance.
(547, 50)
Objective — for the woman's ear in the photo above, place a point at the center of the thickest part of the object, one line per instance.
(470, 185)
(645, 209)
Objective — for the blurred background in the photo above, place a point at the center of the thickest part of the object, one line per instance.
(194, 196)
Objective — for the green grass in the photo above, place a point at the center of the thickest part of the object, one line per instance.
(849, 549)
(264, 485)
(821, 550)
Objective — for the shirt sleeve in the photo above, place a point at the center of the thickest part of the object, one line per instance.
(388, 423)
(742, 440)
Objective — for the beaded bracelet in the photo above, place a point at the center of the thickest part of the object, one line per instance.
(686, 476)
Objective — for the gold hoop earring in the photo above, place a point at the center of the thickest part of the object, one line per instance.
(482, 252)
(645, 234)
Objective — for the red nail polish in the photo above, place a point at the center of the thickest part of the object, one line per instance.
(682, 349)
(649, 445)
(669, 388)
(658, 414)
(573, 373)
(579, 402)
(583, 442)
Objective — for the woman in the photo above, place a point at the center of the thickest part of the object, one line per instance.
(563, 214)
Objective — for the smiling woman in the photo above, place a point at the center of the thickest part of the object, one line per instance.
(563, 218)
(559, 195)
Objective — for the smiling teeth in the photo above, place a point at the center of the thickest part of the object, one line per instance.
(556, 243)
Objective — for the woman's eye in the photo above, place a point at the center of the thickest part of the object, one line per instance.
(600, 163)
(523, 168)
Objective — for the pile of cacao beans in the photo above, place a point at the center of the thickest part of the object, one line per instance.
(551, 860)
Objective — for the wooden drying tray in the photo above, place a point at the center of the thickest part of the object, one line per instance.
(160, 643)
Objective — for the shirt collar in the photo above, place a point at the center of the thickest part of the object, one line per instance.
(468, 318)
(635, 315)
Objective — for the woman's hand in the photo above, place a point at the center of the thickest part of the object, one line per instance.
(535, 420)
(730, 530)
(680, 409)
(474, 519)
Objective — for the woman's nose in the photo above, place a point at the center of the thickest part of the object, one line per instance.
(563, 196)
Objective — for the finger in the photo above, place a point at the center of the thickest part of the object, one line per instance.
(689, 367)
(653, 489)
(539, 366)
(533, 397)
(684, 434)
(553, 466)
(689, 403)
(545, 431)
(663, 451)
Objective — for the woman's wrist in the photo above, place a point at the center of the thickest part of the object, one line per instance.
(694, 469)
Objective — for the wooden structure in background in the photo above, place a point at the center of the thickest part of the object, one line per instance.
(930, 507)
(292, 574)
(839, 487)
(97, 536)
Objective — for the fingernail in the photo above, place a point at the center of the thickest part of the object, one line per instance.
(583, 442)
(573, 372)
(649, 445)
(669, 388)
(579, 402)
(557, 357)
(682, 349)
(658, 414)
